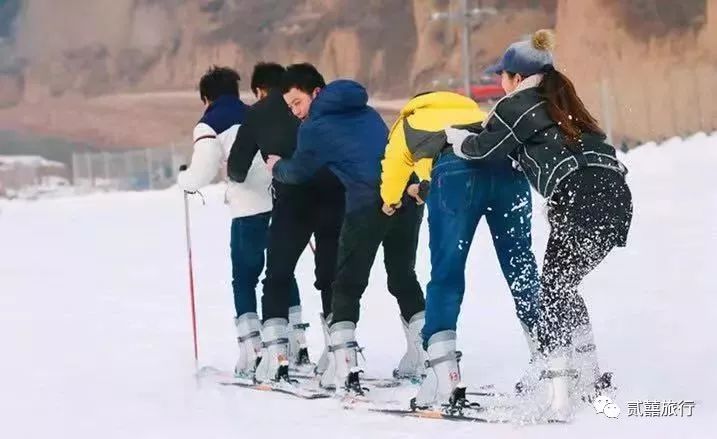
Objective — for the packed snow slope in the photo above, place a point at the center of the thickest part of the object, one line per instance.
(95, 336)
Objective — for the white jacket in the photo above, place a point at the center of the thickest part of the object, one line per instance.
(211, 150)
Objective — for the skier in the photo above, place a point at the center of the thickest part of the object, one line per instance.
(249, 202)
(545, 128)
(315, 206)
(341, 131)
(463, 193)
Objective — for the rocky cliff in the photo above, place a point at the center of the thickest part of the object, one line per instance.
(639, 65)
(76, 46)
(647, 69)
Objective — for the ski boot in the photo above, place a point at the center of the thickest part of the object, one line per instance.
(442, 373)
(274, 365)
(298, 350)
(344, 349)
(556, 387)
(324, 359)
(530, 378)
(412, 365)
(249, 339)
(591, 383)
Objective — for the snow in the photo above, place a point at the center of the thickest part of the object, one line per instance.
(96, 340)
(29, 160)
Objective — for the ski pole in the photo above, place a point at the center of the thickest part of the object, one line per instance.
(191, 276)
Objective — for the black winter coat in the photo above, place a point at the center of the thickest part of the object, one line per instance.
(520, 128)
(268, 126)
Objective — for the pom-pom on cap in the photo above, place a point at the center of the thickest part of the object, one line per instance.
(544, 39)
(527, 57)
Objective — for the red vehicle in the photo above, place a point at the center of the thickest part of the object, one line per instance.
(486, 89)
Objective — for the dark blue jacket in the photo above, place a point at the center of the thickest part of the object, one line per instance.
(345, 134)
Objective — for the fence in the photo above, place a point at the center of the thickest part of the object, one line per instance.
(142, 169)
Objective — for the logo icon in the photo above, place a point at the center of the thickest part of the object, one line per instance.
(603, 404)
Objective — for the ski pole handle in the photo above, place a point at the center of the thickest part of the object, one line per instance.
(183, 168)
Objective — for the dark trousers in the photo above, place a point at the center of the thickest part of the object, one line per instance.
(363, 231)
(590, 215)
(299, 211)
(249, 236)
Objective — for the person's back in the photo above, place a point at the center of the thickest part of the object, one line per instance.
(344, 133)
(543, 124)
(271, 129)
(314, 207)
(250, 201)
(280, 137)
(417, 137)
(214, 136)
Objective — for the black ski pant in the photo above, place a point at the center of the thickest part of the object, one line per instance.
(363, 231)
(590, 215)
(299, 211)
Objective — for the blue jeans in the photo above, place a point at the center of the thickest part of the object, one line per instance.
(462, 192)
(249, 237)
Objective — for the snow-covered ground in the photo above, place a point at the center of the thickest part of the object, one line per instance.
(95, 339)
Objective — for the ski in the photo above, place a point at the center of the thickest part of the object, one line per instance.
(455, 417)
(209, 371)
(373, 382)
(486, 392)
(284, 388)
(482, 414)
(437, 414)
(297, 389)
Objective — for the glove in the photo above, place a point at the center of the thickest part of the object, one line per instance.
(455, 138)
(183, 168)
(424, 188)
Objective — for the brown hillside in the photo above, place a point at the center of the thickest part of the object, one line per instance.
(653, 58)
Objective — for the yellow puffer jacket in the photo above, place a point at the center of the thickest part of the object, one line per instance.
(417, 137)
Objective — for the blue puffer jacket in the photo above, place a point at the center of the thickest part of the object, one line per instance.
(345, 134)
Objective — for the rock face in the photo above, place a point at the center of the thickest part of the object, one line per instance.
(645, 68)
(649, 73)
(390, 45)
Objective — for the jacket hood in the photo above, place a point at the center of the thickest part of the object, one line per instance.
(440, 100)
(340, 96)
(425, 117)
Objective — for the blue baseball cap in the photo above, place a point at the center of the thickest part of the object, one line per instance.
(526, 57)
